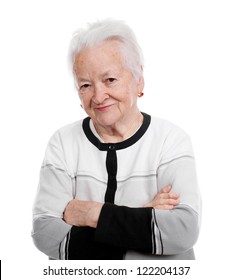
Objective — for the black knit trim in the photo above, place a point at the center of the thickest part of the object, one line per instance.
(111, 165)
(120, 145)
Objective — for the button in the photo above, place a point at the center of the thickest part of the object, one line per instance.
(111, 147)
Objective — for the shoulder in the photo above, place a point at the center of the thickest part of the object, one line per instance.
(172, 139)
(165, 130)
(67, 133)
(62, 148)
(70, 129)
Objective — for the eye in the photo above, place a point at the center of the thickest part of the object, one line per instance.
(84, 86)
(110, 81)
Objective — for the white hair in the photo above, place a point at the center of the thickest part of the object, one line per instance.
(105, 30)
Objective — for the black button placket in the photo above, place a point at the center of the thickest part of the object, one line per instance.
(111, 165)
(111, 158)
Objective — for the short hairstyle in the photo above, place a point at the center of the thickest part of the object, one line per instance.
(105, 30)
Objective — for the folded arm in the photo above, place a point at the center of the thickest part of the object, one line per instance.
(169, 224)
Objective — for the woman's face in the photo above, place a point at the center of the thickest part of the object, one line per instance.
(107, 89)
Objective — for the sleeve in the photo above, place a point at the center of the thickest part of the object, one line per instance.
(177, 230)
(160, 232)
(55, 190)
(125, 227)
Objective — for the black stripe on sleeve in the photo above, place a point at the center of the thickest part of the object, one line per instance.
(67, 246)
(153, 235)
(60, 257)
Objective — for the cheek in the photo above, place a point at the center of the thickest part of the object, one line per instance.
(128, 99)
(85, 100)
(126, 96)
(128, 91)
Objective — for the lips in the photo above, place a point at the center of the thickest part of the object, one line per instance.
(104, 108)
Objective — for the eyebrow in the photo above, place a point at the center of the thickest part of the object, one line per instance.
(82, 80)
(109, 73)
(104, 74)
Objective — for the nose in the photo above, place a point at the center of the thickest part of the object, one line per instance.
(100, 94)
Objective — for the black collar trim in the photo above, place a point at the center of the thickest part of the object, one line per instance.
(120, 145)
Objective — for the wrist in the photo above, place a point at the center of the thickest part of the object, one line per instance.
(93, 214)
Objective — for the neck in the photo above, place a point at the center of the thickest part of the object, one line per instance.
(121, 130)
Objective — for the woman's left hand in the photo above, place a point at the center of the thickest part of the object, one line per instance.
(164, 200)
(82, 213)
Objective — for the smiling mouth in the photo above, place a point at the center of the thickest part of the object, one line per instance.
(104, 108)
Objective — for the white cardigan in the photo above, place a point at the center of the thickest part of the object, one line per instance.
(124, 176)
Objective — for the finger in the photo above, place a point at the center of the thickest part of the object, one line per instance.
(162, 203)
(169, 201)
(166, 189)
(174, 195)
(164, 207)
(168, 195)
(173, 202)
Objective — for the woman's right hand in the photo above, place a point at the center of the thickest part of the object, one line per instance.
(164, 200)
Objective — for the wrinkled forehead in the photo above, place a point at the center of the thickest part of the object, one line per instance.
(105, 55)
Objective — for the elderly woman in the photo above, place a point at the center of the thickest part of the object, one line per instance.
(119, 184)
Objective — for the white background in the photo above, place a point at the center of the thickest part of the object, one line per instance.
(187, 49)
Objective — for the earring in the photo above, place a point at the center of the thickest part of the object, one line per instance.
(81, 105)
(140, 94)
